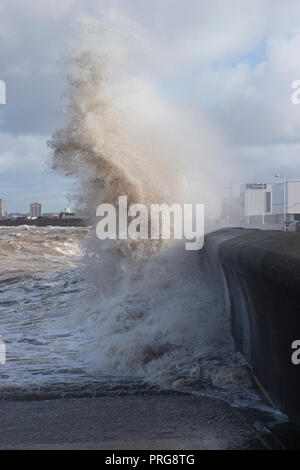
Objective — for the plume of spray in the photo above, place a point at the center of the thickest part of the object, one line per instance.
(122, 138)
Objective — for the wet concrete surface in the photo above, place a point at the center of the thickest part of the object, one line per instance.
(129, 422)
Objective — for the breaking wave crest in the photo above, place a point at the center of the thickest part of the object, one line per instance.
(150, 310)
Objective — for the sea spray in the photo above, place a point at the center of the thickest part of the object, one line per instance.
(148, 310)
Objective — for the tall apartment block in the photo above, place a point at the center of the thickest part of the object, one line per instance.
(36, 209)
(3, 209)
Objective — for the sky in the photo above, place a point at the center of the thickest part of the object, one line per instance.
(230, 62)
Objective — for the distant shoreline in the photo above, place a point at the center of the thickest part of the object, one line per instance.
(44, 221)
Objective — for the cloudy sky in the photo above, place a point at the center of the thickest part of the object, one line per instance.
(232, 62)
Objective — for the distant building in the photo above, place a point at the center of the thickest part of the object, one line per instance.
(36, 209)
(290, 204)
(256, 202)
(266, 202)
(3, 208)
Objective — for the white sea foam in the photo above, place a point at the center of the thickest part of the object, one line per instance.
(150, 309)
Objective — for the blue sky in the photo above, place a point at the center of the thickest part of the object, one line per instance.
(228, 64)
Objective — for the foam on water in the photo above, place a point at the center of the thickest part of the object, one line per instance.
(95, 322)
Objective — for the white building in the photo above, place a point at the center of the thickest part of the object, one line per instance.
(36, 209)
(268, 203)
(3, 209)
(286, 201)
(256, 202)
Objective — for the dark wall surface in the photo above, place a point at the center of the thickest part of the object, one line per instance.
(261, 278)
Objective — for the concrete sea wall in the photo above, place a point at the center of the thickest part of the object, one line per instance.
(260, 274)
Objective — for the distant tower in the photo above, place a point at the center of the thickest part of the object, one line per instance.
(3, 210)
(36, 209)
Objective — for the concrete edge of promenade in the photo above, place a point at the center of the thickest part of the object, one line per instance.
(260, 274)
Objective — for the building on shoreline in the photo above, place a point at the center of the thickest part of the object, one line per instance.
(36, 209)
(3, 208)
(271, 203)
